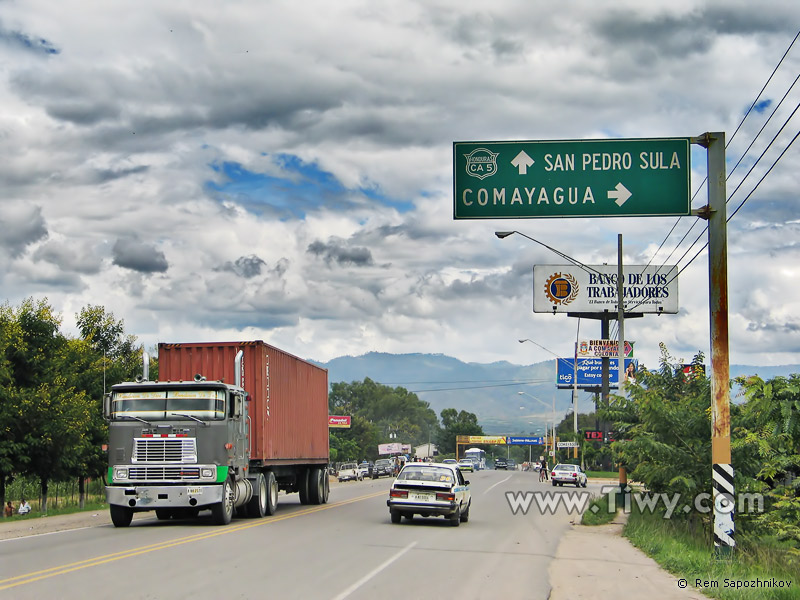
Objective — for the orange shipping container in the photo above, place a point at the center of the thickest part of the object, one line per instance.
(288, 405)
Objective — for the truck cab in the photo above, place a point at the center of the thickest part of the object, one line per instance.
(176, 448)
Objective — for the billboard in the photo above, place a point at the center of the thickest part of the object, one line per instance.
(590, 371)
(593, 288)
(337, 421)
(602, 348)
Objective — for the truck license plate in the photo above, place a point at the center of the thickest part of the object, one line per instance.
(196, 491)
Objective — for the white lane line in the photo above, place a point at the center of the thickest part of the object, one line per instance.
(374, 572)
(498, 483)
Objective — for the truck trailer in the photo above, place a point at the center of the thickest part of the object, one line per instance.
(225, 427)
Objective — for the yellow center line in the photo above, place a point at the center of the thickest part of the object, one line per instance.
(18, 580)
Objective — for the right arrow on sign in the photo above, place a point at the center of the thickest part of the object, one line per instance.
(621, 193)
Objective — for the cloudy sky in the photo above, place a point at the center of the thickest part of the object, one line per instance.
(284, 170)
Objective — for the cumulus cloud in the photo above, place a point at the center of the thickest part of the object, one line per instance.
(337, 252)
(138, 256)
(20, 226)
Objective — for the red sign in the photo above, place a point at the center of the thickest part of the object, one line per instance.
(597, 436)
(334, 421)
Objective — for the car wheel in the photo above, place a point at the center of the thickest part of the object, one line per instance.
(465, 514)
(395, 516)
(455, 518)
(554, 484)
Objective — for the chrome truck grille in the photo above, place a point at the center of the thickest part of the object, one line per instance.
(163, 473)
(164, 450)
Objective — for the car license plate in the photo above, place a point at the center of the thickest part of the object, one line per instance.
(420, 497)
(194, 491)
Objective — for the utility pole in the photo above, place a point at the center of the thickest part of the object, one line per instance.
(620, 312)
(722, 469)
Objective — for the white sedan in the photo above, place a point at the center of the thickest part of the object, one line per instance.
(430, 489)
(573, 474)
(465, 464)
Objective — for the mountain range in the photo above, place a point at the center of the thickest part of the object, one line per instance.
(489, 390)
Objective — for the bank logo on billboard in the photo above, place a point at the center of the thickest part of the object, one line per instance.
(481, 163)
(561, 289)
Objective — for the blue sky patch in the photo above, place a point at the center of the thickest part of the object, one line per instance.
(305, 189)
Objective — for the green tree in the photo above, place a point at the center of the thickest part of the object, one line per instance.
(381, 414)
(103, 356)
(53, 416)
(455, 423)
(766, 453)
(665, 420)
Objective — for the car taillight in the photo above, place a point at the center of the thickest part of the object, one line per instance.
(446, 496)
(574, 474)
(398, 494)
(553, 474)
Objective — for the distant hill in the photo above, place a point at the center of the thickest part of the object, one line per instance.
(488, 390)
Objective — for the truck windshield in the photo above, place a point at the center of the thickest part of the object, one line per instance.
(162, 405)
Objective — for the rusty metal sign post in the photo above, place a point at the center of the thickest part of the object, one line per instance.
(722, 469)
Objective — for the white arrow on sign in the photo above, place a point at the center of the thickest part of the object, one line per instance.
(522, 161)
(621, 193)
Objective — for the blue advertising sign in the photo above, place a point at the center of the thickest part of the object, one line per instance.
(534, 441)
(590, 371)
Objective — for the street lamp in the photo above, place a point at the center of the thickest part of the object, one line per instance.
(554, 415)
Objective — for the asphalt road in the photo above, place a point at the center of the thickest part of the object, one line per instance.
(345, 549)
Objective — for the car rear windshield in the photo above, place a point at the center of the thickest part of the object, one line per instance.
(427, 474)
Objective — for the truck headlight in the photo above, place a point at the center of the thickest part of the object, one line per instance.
(120, 473)
(206, 473)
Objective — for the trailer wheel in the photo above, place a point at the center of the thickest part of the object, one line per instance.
(257, 506)
(302, 486)
(327, 480)
(272, 493)
(316, 486)
(222, 512)
(121, 516)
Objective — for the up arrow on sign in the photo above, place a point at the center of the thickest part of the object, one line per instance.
(621, 193)
(522, 161)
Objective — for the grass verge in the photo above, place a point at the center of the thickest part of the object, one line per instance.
(683, 547)
(601, 515)
(603, 474)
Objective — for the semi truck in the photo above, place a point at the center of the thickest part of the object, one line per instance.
(225, 428)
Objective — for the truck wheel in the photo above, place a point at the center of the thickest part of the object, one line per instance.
(302, 486)
(326, 478)
(163, 514)
(222, 512)
(257, 506)
(272, 493)
(121, 516)
(316, 486)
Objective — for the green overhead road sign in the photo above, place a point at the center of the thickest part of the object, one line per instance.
(571, 178)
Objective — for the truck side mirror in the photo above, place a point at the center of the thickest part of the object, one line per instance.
(107, 406)
(237, 406)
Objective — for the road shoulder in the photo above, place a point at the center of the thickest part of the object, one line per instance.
(598, 562)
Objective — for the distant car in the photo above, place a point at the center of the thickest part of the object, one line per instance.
(466, 464)
(383, 468)
(573, 474)
(449, 461)
(365, 469)
(349, 472)
(512, 464)
(500, 463)
(430, 489)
